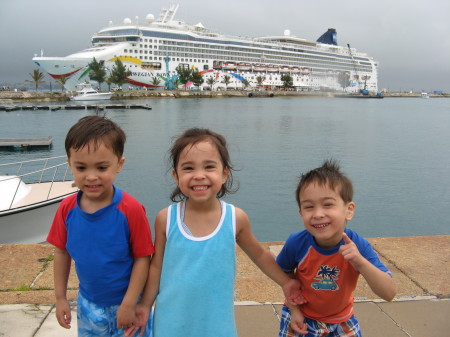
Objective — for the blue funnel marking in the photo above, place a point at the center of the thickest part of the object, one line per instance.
(239, 77)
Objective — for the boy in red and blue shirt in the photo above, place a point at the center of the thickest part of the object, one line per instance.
(327, 258)
(104, 230)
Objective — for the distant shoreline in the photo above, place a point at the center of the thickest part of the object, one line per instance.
(48, 96)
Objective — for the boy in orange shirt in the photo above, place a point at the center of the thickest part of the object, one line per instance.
(327, 258)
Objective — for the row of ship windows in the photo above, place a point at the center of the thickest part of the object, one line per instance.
(322, 64)
(252, 58)
(240, 53)
(205, 48)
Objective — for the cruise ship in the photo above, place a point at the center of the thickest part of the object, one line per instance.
(153, 51)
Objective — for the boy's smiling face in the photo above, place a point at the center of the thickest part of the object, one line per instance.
(324, 213)
(94, 171)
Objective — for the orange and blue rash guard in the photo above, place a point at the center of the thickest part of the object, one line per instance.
(328, 280)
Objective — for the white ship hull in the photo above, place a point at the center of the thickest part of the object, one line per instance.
(152, 52)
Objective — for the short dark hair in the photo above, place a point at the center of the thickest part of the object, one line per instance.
(329, 173)
(194, 136)
(96, 129)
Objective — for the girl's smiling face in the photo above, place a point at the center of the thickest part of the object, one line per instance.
(200, 173)
(324, 213)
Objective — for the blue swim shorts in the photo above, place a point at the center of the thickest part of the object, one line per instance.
(97, 320)
(349, 328)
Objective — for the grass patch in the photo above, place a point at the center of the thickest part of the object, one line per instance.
(22, 288)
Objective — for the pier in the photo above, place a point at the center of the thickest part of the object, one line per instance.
(12, 107)
(26, 142)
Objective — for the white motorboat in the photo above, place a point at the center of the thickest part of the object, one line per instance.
(87, 93)
(424, 95)
(30, 192)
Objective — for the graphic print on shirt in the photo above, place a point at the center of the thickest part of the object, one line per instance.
(326, 276)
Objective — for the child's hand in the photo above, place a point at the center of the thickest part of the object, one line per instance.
(298, 324)
(63, 313)
(142, 314)
(350, 252)
(125, 316)
(293, 292)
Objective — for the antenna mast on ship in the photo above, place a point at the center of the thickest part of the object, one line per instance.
(167, 15)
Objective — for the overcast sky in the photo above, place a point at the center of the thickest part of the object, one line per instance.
(409, 39)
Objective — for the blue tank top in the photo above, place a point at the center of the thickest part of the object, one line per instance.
(196, 293)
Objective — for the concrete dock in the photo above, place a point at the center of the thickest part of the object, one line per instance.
(26, 142)
(420, 265)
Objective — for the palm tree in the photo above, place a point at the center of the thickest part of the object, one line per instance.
(156, 81)
(37, 78)
(62, 80)
(211, 81)
(260, 79)
(226, 80)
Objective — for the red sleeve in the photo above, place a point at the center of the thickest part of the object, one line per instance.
(140, 233)
(58, 231)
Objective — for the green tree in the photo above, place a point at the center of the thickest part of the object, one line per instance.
(226, 80)
(211, 81)
(97, 72)
(184, 74)
(260, 79)
(62, 81)
(109, 82)
(288, 81)
(36, 78)
(245, 83)
(156, 81)
(197, 79)
(119, 73)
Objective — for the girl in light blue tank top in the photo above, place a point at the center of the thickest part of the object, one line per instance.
(193, 270)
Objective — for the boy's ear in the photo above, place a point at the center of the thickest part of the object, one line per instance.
(121, 162)
(350, 211)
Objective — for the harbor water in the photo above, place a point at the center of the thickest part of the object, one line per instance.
(395, 150)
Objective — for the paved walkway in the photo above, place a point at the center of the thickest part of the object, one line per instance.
(421, 267)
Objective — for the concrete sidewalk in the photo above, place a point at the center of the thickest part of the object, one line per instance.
(420, 265)
(425, 317)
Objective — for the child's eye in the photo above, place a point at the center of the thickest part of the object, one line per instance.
(102, 168)
(187, 168)
(210, 167)
(79, 168)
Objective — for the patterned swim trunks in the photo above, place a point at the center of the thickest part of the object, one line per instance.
(97, 320)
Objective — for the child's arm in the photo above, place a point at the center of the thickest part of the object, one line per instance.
(61, 266)
(154, 275)
(298, 324)
(126, 311)
(264, 259)
(380, 282)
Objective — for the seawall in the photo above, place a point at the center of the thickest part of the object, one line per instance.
(61, 96)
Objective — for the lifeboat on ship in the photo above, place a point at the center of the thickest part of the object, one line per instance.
(294, 70)
(229, 66)
(272, 69)
(305, 71)
(244, 67)
(285, 69)
(260, 67)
